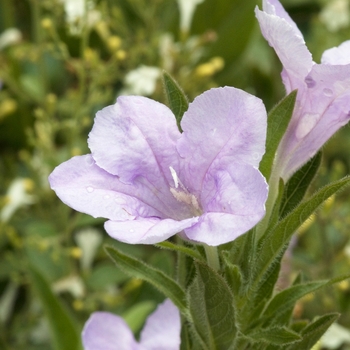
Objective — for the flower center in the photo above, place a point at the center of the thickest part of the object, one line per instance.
(181, 194)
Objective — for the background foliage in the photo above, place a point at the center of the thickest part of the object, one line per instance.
(56, 70)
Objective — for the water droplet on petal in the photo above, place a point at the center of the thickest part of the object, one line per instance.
(89, 160)
(90, 189)
(310, 82)
(306, 124)
(131, 230)
(106, 196)
(255, 155)
(327, 92)
(214, 131)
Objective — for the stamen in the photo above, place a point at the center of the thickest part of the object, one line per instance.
(174, 175)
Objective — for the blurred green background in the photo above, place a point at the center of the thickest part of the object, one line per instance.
(60, 62)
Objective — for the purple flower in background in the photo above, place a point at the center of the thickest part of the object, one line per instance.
(323, 100)
(105, 331)
(152, 182)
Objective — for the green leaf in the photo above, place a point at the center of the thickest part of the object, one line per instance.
(298, 184)
(181, 249)
(65, 336)
(275, 215)
(314, 331)
(263, 293)
(233, 275)
(248, 254)
(275, 336)
(284, 300)
(274, 241)
(178, 102)
(211, 307)
(277, 123)
(157, 278)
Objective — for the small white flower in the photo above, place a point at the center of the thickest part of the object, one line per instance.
(187, 8)
(9, 37)
(88, 240)
(16, 197)
(75, 14)
(71, 284)
(141, 81)
(7, 301)
(335, 336)
(335, 15)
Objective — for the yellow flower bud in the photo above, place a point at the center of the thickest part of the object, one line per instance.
(114, 42)
(218, 63)
(205, 70)
(78, 305)
(120, 55)
(76, 252)
(8, 106)
(46, 23)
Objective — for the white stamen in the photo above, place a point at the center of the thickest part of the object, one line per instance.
(174, 175)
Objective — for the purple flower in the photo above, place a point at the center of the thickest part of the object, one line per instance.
(152, 182)
(105, 331)
(323, 100)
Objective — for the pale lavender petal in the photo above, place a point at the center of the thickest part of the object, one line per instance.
(320, 111)
(105, 331)
(85, 187)
(233, 201)
(289, 47)
(135, 137)
(274, 7)
(223, 124)
(337, 55)
(334, 117)
(147, 230)
(162, 328)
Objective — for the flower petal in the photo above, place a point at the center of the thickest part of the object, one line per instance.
(337, 55)
(146, 231)
(334, 117)
(289, 46)
(274, 7)
(105, 331)
(162, 328)
(85, 187)
(233, 201)
(321, 110)
(135, 137)
(223, 124)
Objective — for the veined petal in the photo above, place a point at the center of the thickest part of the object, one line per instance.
(337, 55)
(85, 187)
(219, 228)
(274, 7)
(162, 328)
(105, 331)
(320, 111)
(333, 118)
(147, 230)
(238, 189)
(289, 46)
(135, 137)
(233, 201)
(223, 124)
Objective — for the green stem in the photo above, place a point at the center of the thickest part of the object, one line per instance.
(38, 39)
(212, 257)
(273, 193)
(181, 265)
